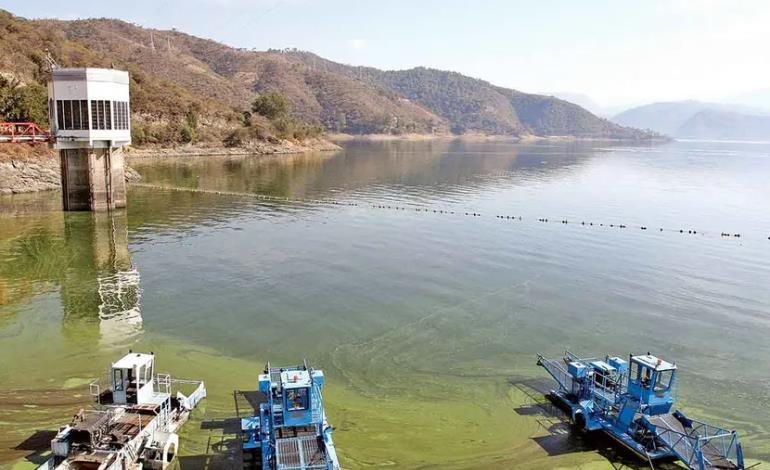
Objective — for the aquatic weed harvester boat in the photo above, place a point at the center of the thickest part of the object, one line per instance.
(134, 423)
(631, 401)
(290, 431)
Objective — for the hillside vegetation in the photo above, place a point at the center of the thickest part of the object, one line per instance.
(186, 89)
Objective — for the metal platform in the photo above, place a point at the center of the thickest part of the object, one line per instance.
(300, 453)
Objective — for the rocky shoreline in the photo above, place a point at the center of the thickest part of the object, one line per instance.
(41, 173)
(252, 148)
(37, 169)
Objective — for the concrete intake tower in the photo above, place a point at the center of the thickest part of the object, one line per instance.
(90, 119)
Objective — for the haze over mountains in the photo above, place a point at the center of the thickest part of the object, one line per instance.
(585, 101)
(173, 72)
(699, 120)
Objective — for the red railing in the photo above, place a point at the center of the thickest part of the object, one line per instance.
(23, 133)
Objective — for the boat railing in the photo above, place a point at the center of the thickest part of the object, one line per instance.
(95, 389)
(703, 444)
(572, 357)
(199, 393)
(721, 441)
(685, 446)
(163, 383)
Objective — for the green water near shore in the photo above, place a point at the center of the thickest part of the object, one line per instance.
(427, 325)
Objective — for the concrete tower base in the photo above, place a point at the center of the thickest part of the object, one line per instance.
(92, 179)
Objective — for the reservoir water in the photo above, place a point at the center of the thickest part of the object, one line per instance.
(427, 324)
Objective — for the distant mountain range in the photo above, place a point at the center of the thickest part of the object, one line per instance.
(172, 73)
(698, 120)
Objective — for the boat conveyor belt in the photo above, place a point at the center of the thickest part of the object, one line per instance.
(681, 439)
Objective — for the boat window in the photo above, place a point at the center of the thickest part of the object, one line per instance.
(634, 375)
(646, 377)
(297, 399)
(664, 380)
(117, 379)
(141, 375)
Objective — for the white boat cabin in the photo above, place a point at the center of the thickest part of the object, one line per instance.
(133, 379)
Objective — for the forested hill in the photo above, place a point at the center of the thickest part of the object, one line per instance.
(473, 105)
(178, 79)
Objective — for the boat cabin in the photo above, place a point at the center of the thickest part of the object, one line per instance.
(298, 392)
(132, 379)
(651, 380)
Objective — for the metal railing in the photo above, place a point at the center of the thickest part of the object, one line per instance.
(95, 389)
(715, 439)
(192, 400)
(163, 383)
(703, 445)
(23, 132)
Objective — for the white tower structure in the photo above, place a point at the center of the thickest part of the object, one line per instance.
(90, 118)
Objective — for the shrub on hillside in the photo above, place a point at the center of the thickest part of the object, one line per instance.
(271, 105)
(23, 103)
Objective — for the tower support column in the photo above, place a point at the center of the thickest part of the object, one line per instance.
(92, 179)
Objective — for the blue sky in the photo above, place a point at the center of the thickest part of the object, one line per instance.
(615, 51)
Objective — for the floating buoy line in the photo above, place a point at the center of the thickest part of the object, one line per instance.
(332, 202)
